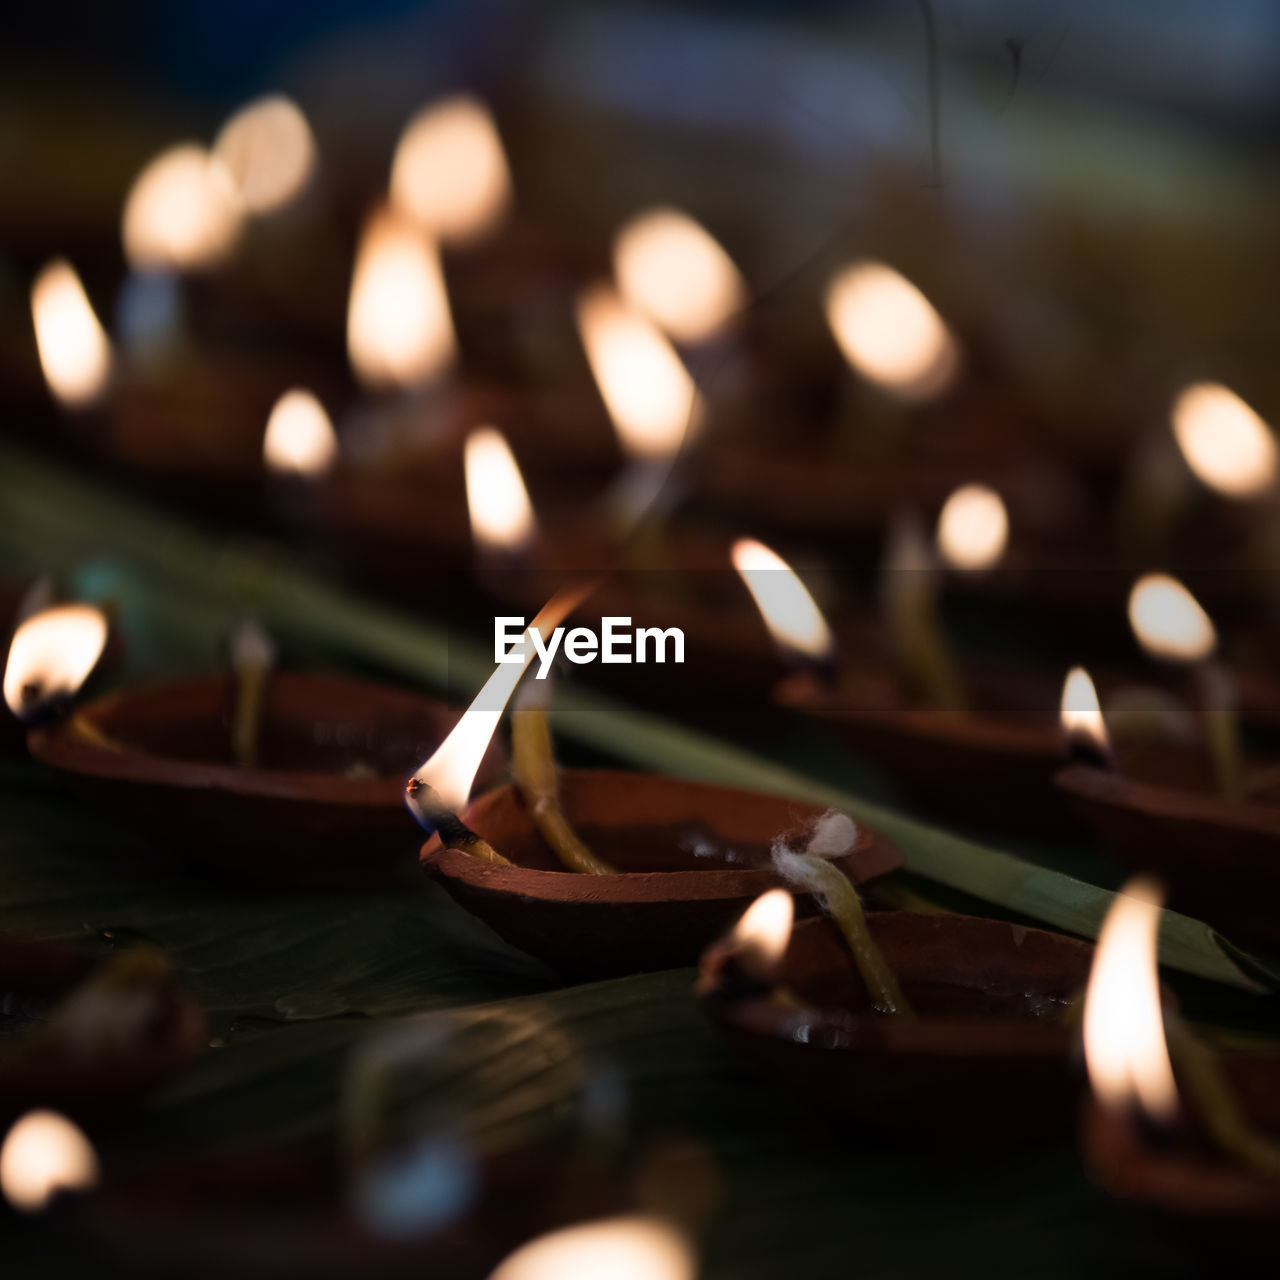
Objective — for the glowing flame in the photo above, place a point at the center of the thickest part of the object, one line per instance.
(181, 212)
(51, 655)
(45, 1153)
(1168, 620)
(671, 268)
(973, 528)
(1223, 441)
(399, 330)
(74, 351)
(268, 150)
(789, 611)
(300, 437)
(760, 938)
(501, 514)
(450, 172)
(889, 332)
(1124, 1044)
(632, 1248)
(1081, 711)
(648, 392)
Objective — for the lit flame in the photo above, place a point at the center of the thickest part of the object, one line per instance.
(399, 330)
(181, 212)
(1082, 712)
(648, 392)
(501, 514)
(1223, 441)
(889, 332)
(450, 172)
(973, 528)
(789, 611)
(51, 655)
(45, 1153)
(632, 1248)
(300, 437)
(760, 938)
(1168, 620)
(1124, 1043)
(671, 268)
(268, 149)
(74, 351)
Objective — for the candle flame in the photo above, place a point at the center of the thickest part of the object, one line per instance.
(399, 329)
(1224, 442)
(269, 152)
(1082, 712)
(74, 351)
(450, 172)
(760, 938)
(44, 1153)
(973, 528)
(51, 656)
(630, 1248)
(300, 438)
(1124, 1043)
(789, 611)
(672, 269)
(648, 392)
(182, 211)
(501, 514)
(889, 332)
(1168, 620)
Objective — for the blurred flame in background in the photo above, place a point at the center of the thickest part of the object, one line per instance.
(51, 655)
(650, 397)
(299, 437)
(269, 152)
(1168, 620)
(973, 528)
(889, 331)
(399, 328)
(182, 211)
(498, 503)
(672, 269)
(45, 1153)
(450, 173)
(1224, 442)
(789, 611)
(1124, 1043)
(632, 1248)
(75, 353)
(1081, 711)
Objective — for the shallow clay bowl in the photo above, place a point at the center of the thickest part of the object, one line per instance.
(690, 856)
(34, 978)
(985, 1059)
(1231, 1214)
(1219, 858)
(327, 807)
(286, 1211)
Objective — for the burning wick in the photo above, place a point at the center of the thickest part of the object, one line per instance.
(630, 1248)
(1170, 625)
(1087, 739)
(43, 1154)
(51, 655)
(744, 965)
(909, 602)
(75, 353)
(253, 654)
(811, 870)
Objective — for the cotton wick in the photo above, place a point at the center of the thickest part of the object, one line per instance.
(436, 818)
(253, 654)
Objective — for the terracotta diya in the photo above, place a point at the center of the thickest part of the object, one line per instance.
(689, 857)
(983, 1058)
(89, 1035)
(324, 807)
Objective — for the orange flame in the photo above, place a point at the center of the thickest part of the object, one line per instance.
(760, 938)
(973, 528)
(74, 351)
(43, 1154)
(1081, 711)
(269, 152)
(51, 655)
(1168, 620)
(1224, 442)
(789, 611)
(498, 503)
(631, 1248)
(300, 437)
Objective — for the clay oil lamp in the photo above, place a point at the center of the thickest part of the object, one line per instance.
(1170, 1127)
(1192, 813)
(87, 1035)
(597, 872)
(284, 776)
(946, 1027)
